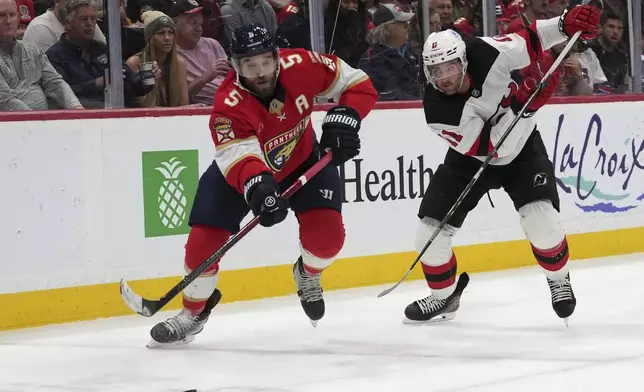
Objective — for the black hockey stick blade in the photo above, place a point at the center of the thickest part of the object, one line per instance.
(487, 160)
(147, 308)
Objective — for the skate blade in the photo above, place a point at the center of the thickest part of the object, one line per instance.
(314, 323)
(565, 320)
(153, 344)
(436, 320)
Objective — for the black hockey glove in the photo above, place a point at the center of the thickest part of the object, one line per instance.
(262, 195)
(340, 133)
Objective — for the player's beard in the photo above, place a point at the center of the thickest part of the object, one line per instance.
(263, 87)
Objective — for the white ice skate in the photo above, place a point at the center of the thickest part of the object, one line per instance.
(182, 328)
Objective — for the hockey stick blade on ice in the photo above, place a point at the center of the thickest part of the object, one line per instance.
(146, 307)
(486, 162)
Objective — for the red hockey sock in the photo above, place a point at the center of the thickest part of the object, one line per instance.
(442, 276)
(552, 260)
(202, 242)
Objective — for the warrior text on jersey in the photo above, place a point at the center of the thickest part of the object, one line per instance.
(277, 136)
(472, 124)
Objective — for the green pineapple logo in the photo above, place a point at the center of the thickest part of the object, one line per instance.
(169, 184)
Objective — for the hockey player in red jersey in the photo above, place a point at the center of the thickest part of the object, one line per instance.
(264, 140)
(470, 101)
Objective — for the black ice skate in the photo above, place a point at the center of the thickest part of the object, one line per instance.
(182, 328)
(432, 310)
(563, 298)
(309, 290)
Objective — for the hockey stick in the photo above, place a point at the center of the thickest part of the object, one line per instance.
(146, 307)
(487, 160)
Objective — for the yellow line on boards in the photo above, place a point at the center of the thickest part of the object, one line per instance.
(36, 308)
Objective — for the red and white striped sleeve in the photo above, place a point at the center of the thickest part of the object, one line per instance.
(333, 78)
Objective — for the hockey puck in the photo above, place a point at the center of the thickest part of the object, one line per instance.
(191, 390)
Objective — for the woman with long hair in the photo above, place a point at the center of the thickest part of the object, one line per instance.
(171, 85)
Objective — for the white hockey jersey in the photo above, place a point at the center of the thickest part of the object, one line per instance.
(472, 124)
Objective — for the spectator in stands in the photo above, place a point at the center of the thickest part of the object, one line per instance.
(213, 25)
(41, 6)
(293, 27)
(345, 28)
(528, 12)
(237, 13)
(46, 29)
(27, 78)
(469, 20)
(132, 40)
(416, 38)
(206, 60)
(135, 8)
(284, 9)
(394, 72)
(610, 52)
(445, 10)
(26, 13)
(435, 23)
(581, 73)
(618, 7)
(557, 7)
(82, 61)
(171, 87)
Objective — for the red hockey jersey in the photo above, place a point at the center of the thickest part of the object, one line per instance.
(251, 138)
(287, 11)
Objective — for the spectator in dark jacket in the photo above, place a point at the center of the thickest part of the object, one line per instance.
(345, 29)
(293, 26)
(392, 67)
(82, 61)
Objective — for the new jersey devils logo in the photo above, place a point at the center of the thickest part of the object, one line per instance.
(507, 99)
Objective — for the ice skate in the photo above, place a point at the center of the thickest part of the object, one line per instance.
(309, 290)
(182, 328)
(563, 298)
(433, 310)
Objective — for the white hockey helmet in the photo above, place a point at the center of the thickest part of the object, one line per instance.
(441, 47)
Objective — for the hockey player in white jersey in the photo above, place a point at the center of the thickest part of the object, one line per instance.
(469, 102)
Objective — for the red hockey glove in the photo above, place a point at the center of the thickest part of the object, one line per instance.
(527, 88)
(584, 18)
(262, 195)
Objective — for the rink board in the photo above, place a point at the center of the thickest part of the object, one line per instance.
(82, 202)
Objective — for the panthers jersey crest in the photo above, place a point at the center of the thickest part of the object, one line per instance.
(278, 150)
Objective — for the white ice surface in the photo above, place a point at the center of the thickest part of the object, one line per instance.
(504, 338)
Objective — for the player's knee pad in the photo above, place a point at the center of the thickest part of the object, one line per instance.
(440, 251)
(202, 242)
(540, 222)
(321, 236)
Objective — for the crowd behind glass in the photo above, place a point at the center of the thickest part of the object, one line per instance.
(54, 53)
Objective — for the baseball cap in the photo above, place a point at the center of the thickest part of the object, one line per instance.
(184, 7)
(390, 12)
